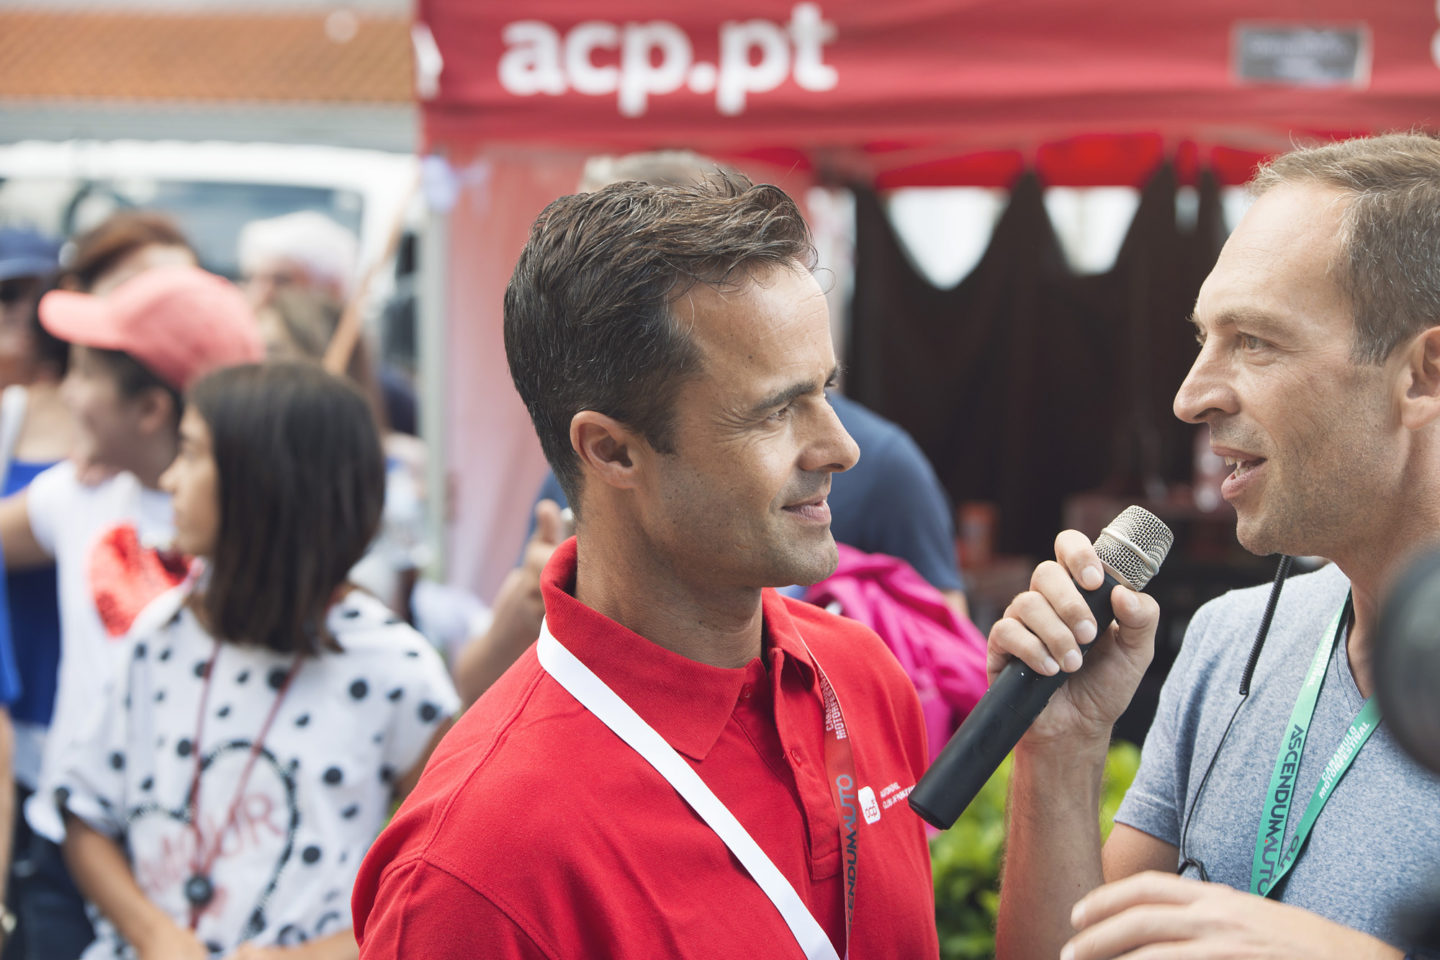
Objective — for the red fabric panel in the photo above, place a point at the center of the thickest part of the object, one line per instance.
(988, 168)
(1088, 160)
(933, 80)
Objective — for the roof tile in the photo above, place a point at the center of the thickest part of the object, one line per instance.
(198, 57)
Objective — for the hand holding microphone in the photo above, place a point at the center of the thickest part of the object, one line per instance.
(1045, 631)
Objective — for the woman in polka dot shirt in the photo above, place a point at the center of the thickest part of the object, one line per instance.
(270, 715)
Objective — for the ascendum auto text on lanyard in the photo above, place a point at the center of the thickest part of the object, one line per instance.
(597, 697)
(1268, 867)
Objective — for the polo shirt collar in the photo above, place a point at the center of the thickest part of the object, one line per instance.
(686, 702)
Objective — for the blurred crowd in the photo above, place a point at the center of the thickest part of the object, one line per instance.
(214, 692)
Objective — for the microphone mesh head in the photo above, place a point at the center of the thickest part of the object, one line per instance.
(1134, 545)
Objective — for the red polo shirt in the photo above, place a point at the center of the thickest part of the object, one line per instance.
(535, 832)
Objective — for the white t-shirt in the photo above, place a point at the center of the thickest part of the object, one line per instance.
(317, 794)
(93, 534)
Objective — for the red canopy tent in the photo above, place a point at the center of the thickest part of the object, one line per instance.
(909, 92)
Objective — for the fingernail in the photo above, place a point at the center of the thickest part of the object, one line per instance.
(1077, 920)
(1072, 661)
(1067, 952)
(1091, 578)
(1085, 632)
(1050, 667)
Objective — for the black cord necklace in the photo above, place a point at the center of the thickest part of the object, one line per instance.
(199, 888)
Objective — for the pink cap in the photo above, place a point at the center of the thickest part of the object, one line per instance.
(180, 322)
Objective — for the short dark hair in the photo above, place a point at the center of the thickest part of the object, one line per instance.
(588, 324)
(301, 483)
(133, 378)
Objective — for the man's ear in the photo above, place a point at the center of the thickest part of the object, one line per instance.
(1421, 403)
(606, 447)
(158, 413)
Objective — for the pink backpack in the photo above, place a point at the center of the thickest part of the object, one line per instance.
(942, 652)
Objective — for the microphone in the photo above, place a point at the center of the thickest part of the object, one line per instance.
(1131, 550)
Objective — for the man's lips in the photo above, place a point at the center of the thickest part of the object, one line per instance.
(1240, 462)
(816, 509)
(1245, 467)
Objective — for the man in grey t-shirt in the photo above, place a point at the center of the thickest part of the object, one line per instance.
(1318, 376)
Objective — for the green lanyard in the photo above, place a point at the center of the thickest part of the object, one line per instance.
(1269, 866)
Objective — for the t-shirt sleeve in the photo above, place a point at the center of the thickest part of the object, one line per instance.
(46, 501)
(1154, 802)
(429, 699)
(91, 781)
(421, 911)
(911, 516)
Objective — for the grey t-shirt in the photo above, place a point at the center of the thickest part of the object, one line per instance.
(1376, 845)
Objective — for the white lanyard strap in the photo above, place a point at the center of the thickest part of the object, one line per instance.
(615, 713)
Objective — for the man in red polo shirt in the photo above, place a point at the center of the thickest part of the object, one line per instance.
(686, 765)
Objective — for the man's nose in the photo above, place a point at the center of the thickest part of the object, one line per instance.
(1205, 390)
(835, 450)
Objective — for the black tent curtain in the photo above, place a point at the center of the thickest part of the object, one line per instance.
(1027, 383)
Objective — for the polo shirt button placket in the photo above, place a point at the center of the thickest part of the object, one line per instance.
(795, 756)
(745, 691)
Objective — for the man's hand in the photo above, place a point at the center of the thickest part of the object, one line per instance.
(519, 608)
(1158, 914)
(1045, 626)
(551, 530)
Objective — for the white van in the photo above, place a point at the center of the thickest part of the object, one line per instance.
(211, 188)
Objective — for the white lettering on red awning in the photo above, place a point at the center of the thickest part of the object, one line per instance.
(657, 57)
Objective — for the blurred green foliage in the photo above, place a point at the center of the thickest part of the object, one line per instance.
(966, 858)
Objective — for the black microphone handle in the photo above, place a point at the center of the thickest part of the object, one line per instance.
(992, 729)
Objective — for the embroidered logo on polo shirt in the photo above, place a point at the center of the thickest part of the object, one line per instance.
(894, 793)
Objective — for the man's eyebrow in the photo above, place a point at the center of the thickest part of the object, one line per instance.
(1251, 319)
(785, 395)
